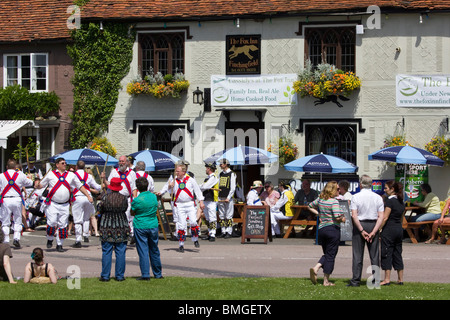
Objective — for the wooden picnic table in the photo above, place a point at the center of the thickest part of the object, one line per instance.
(295, 221)
(409, 226)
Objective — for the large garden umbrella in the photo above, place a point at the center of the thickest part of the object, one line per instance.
(406, 155)
(322, 163)
(243, 155)
(156, 160)
(89, 156)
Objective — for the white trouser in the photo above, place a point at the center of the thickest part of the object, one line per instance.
(275, 216)
(186, 210)
(130, 217)
(82, 210)
(57, 217)
(11, 206)
(211, 216)
(226, 212)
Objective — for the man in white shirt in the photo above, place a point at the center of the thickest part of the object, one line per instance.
(185, 189)
(367, 209)
(11, 184)
(140, 172)
(82, 209)
(253, 198)
(128, 177)
(227, 186)
(209, 189)
(61, 184)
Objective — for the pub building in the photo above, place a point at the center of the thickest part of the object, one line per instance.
(242, 60)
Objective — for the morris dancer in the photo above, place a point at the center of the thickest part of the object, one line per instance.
(11, 183)
(61, 184)
(184, 190)
(210, 192)
(82, 209)
(227, 186)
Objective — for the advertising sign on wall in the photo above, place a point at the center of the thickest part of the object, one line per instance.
(264, 90)
(243, 54)
(423, 90)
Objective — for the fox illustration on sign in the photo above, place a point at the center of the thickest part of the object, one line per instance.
(244, 49)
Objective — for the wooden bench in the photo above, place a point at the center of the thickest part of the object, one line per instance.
(411, 226)
(295, 221)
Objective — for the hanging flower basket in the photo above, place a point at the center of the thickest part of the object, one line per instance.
(287, 150)
(102, 144)
(159, 86)
(394, 141)
(440, 147)
(326, 83)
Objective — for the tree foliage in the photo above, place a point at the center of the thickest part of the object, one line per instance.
(101, 59)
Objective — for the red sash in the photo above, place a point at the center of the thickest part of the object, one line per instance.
(182, 187)
(83, 181)
(145, 175)
(61, 181)
(123, 176)
(11, 184)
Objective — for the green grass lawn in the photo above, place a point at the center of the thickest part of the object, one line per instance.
(179, 288)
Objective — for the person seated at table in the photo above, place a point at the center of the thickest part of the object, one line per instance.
(282, 209)
(305, 196)
(445, 218)
(343, 186)
(431, 204)
(269, 196)
(253, 195)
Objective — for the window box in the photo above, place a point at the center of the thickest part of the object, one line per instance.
(159, 86)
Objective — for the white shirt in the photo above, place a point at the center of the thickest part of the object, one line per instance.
(368, 204)
(21, 181)
(193, 188)
(210, 183)
(90, 182)
(62, 195)
(151, 184)
(253, 198)
(131, 179)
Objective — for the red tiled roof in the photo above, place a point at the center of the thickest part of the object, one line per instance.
(191, 9)
(41, 20)
(31, 20)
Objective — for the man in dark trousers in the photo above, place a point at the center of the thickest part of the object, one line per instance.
(367, 214)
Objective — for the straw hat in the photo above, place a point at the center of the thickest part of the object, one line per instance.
(257, 184)
(115, 184)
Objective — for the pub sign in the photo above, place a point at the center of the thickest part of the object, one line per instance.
(243, 54)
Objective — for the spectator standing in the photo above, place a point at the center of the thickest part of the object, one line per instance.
(114, 230)
(367, 214)
(140, 172)
(392, 232)
(146, 231)
(326, 206)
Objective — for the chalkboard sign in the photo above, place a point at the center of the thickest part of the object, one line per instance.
(256, 223)
(163, 220)
(347, 226)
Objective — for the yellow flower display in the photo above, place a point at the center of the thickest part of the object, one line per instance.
(103, 145)
(325, 80)
(440, 147)
(169, 87)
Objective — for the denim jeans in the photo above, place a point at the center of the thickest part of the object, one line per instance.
(148, 251)
(119, 250)
(426, 217)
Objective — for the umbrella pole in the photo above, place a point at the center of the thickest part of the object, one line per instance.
(242, 182)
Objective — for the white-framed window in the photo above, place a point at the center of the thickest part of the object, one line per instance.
(30, 70)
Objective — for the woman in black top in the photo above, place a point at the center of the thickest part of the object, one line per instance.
(392, 234)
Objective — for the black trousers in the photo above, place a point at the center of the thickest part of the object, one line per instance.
(329, 237)
(391, 248)
(358, 245)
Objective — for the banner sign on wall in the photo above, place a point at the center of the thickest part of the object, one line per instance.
(264, 90)
(422, 90)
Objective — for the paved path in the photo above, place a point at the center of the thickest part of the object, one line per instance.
(229, 258)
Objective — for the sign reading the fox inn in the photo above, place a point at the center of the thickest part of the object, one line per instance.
(243, 54)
